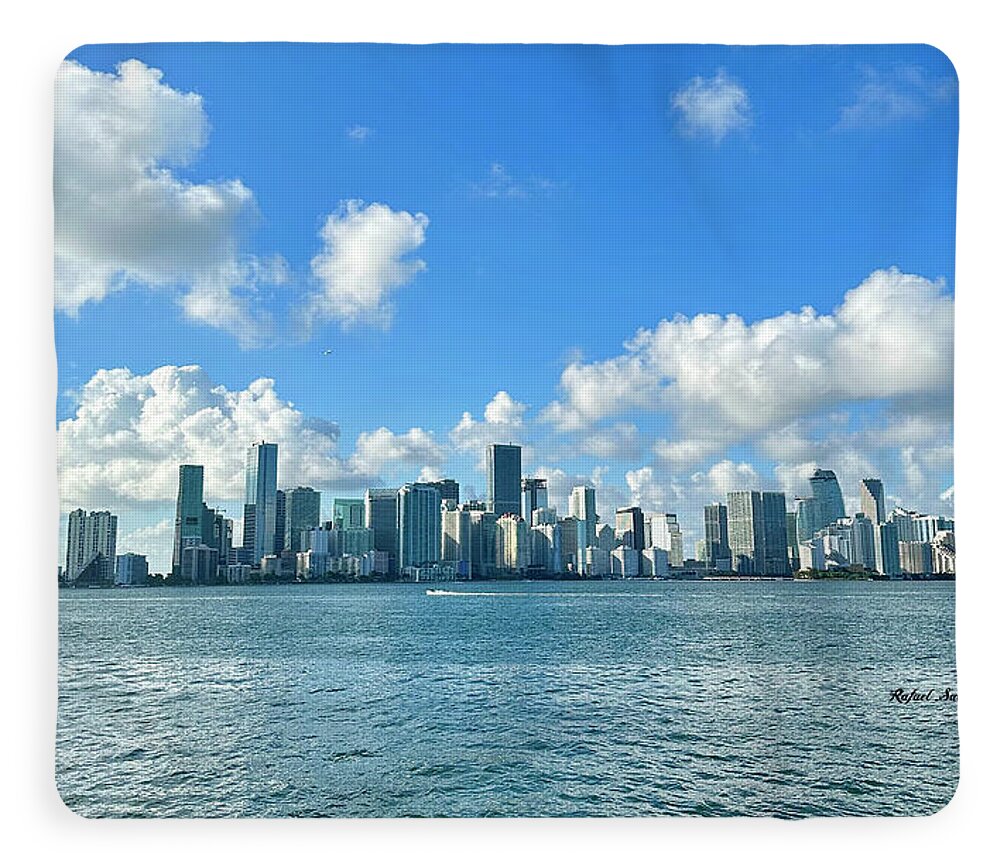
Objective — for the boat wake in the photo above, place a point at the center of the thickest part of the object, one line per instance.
(451, 592)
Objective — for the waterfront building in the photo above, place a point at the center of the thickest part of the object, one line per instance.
(456, 533)
(717, 552)
(943, 552)
(829, 499)
(571, 531)
(349, 513)
(597, 562)
(302, 512)
(261, 500)
(131, 569)
(381, 517)
(758, 532)
(873, 500)
(91, 542)
(534, 495)
(188, 519)
(482, 536)
(279, 521)
(503, 479)
(447, 488)
(916, 557)
(887, 549)
(656, 562)
(544, 517)
(626, 562)
(419, 525)
(807, 518)
(513, 547)
(630, 527)
(606, 537)
(199, 565)
(583, 506)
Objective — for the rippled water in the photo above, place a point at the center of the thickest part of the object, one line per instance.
(636, 698)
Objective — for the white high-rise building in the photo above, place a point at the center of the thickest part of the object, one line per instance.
(456, 534)
(513, 552)
(91, 542)
(664, 532)
(583, 506)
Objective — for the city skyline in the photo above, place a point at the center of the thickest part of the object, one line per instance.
(644, 327)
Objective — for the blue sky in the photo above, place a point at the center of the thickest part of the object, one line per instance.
(573, 195)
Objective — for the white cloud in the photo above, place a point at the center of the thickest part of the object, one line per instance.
(886, 96)
(359, 132)
(683, 454)
(123, 215)
(380, 448)
(130, 432)
(712, 107)
(503, 421)
(364, 259)
(499, 183)
(621, 441)
(891, 339)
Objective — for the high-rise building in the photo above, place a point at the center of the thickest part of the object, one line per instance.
(862, 541)
(503, 479)
(483, 530)
(302, 512)
(513, 554)
(916, 557)
(131, 570)
(807, 518)
(664, 533)
(349, 513)
(280, 521)
(873, 500)
(887, 549)
(758, 532)
(447, 488)
(456, 533)
(381, 516)
(91, 543)
(188, 526)
(630, 527)
(419, 521)
(717, 553)
(583, 506)
(792, 539)
(261, 500)
(534, 495)
(199, 565)
(829, 499)
(217, 532)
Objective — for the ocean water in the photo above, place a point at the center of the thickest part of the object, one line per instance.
(515, 699)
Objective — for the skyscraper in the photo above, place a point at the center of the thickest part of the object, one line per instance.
(261, 500)
(758, 532)
(280, 521)
(381, 512)
(887, 549)
(717, 553)
(829, 499)
(807, 519)
(91, 545)
(873, 500)
(534, 494)
(302, 512)
(448, 489)
(188, 522)
(630, 527)
(456, 533)
(419, 521)
(349, 513)
(583, 506)
(503, 479)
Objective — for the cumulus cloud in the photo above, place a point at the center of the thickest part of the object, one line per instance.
(712, 107)
(620, 441)
(891, 339)
(380, 448)
(130, 432)
(503, 421)
(363, 261)
(886, 96)
(123, 215)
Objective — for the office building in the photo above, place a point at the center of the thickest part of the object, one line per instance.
(873, 500)
(261, 502)
(829, 500)
(456, 533)
(887, 549)
(503, 479)
(302, 512)
(664, 532)
(630, 527)
(279, 521)
(381, 505)
(916, 557)
(807, 518)
(513, 546)
(717, 553)
(131, 569)
(419, 525)
(349, 513)
(583, 506)
(447, 489)
(534, 495)
(188, 521)
(758, 532)
(199, 565)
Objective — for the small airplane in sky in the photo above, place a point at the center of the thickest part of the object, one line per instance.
(327, 352)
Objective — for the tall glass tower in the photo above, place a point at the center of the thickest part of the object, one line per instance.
(503, 479)
(188, 530)
(829, 499)
(261, 511)
(873, 500)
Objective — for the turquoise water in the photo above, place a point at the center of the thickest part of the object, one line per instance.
(518, 699)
